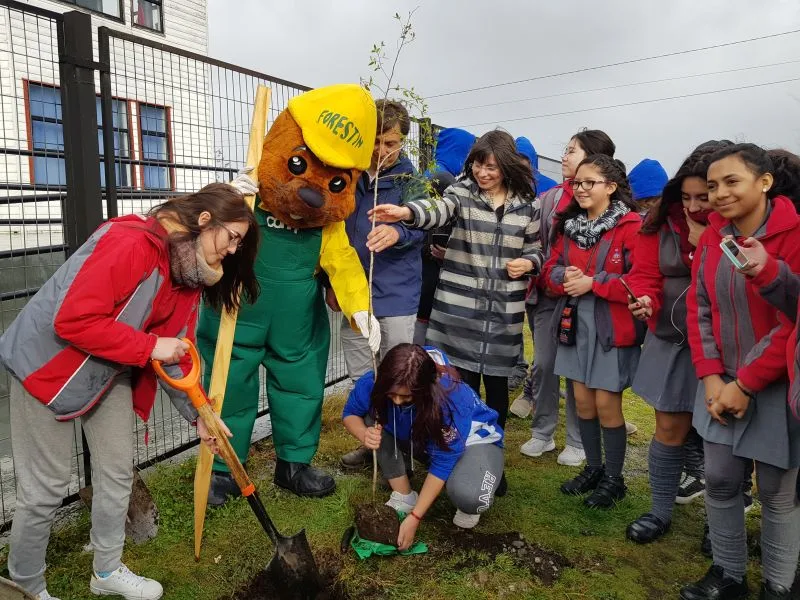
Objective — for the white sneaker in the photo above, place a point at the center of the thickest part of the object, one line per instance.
(403, 503)
(45, 596)
(465, 521)
(521, 407)
(535, 447)
(123, 582)
(630, 428)
(571, 456)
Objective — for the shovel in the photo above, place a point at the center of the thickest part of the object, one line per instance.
(292, 566)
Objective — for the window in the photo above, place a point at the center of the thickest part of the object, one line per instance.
(122, 142)
(110, 8)
(148, 14)
(155, 147)
(47, 137)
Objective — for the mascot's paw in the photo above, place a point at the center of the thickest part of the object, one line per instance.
(303, 479)
(222, 487)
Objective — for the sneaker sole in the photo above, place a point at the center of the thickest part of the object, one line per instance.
(547, 448)
(683, 500)
(99, 592)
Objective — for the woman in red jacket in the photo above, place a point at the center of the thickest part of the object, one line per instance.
(598, 338)
(82, 346)
(665, 377)
(738, 343)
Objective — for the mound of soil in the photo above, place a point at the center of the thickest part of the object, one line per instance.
(545, 565)
(377, 523)
(263, 587)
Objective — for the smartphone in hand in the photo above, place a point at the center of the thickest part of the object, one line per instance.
(631, 295)
(735, 253)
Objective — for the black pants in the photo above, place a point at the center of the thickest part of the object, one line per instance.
(496, 391)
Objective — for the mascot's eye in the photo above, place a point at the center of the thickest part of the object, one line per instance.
(297, 165)
(336, 185)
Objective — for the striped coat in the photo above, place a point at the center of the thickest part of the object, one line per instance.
(478, 310)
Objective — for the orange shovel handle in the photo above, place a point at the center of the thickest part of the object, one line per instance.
(189, 383)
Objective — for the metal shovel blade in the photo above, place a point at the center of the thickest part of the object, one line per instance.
(292, 569)
(11, 591)
(142, 520)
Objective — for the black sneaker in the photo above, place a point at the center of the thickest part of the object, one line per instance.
(586, 481)
(773, 591)
(690, 488)
(715, 586)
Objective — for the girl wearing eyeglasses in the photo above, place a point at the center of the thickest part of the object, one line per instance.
(598, 337)
(81, 348)
(541, 388)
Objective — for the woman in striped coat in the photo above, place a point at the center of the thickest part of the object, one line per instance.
(479, 307)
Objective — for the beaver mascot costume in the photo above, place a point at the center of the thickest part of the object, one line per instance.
(312, 158)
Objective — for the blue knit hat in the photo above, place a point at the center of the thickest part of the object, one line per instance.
(647, 179)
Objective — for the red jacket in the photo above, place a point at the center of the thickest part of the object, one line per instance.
(101, 312)
(732, 329)
(610, 258)
(781, 288)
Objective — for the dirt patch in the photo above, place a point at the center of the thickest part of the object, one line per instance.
(543, 564)
(377, 523)
(263, 587)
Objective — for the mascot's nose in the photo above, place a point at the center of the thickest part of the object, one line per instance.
(311, 197)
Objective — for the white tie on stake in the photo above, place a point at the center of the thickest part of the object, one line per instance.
(227, 327)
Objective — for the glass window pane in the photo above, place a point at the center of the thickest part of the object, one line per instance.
(123, 174)
(121, 144)
(154, 147)
(147, 14)
(49, 171)
(47, 136)
(153, 118)
(120, 112)
(45, 101)
(156, 178)
(108, 7)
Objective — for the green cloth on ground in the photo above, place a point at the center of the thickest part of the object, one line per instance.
(364, 548)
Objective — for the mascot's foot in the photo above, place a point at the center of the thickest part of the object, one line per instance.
(303, 479)
(222, 487)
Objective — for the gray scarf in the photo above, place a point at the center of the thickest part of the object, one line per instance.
(188, 266)
(586, 233)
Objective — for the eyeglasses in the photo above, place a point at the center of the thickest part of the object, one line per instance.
(233, 237)
(586, 184)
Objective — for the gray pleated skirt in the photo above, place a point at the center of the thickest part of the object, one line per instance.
(586, 362)
(666, 378)
(768, 432)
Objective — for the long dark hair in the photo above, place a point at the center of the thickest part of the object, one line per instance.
(786, 174)
(225, 204)
(754, 157)
(517, 172)
(595, 141)
(614, 171)
(409, 365)
(695, 165)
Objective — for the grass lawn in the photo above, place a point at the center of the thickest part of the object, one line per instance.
(588, 548)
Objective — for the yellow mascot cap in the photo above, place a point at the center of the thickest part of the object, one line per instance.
(338, 124)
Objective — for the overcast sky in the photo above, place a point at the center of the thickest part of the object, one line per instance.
(464, 44)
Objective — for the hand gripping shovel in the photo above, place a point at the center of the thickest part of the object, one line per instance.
(292, 566)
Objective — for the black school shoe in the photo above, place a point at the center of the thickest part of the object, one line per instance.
(586, 481)
(222, 487)
(773, 591)
(303, 479)
(608, 492)
(647, 528)
(715, 586)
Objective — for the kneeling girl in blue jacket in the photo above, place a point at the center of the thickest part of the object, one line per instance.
(418, 406)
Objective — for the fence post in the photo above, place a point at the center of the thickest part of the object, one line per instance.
(83, 209)
(107, 112)
(79, 113)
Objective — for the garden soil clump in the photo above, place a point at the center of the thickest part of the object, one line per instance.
(377, 523)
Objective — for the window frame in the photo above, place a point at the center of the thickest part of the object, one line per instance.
(136, 25)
